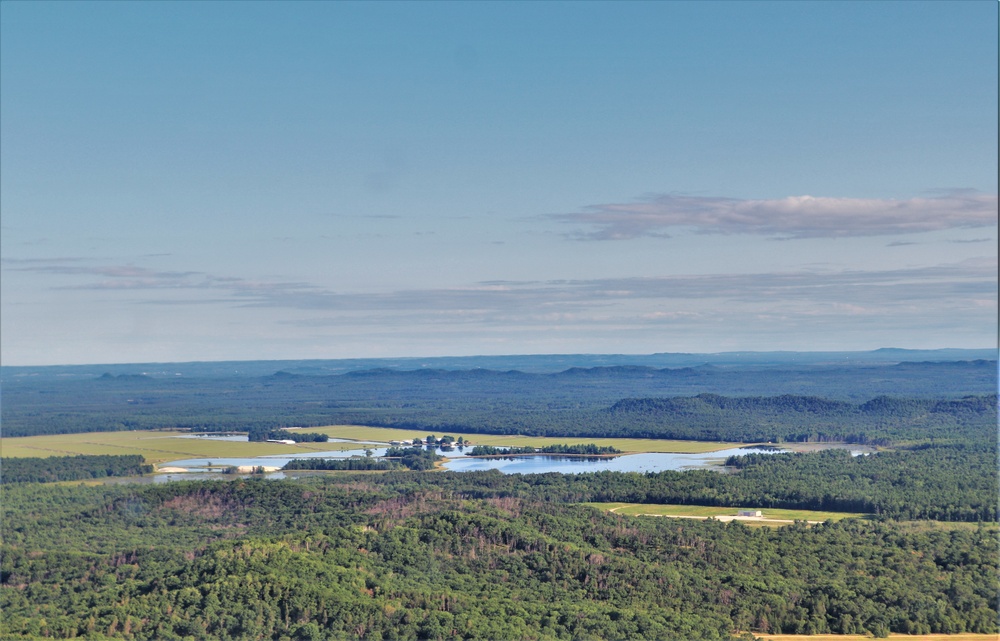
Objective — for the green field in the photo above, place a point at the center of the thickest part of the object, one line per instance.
(631, 445)
(164, 446)
(158, 447)
(931, 526)
(771, 516)
(867, 637)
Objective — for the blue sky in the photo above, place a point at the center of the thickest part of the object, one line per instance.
(199, 181)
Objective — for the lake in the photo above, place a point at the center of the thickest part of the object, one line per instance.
(458, 461)
(646, 462)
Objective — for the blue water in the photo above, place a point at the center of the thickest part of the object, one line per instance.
(459, 461)
(279, 460)
(648, 462)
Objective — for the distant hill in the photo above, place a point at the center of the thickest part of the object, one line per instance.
(540, 363)
(571, 400)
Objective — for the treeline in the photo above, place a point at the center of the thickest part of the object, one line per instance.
(71, 468)
(407, 558)
(947, 483)
(264, 434)
(879, 421)
(414, 458)
(354, 463)
(580, 449)
(490, 450)
(444, 441)
(588, 448)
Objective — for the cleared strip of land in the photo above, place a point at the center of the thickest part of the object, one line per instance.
(770, 516)
(867, 637)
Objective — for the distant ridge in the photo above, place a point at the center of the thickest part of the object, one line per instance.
(537, 363)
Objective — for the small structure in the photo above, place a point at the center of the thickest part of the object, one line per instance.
(756, 513)
(283, 441)
(250, 469)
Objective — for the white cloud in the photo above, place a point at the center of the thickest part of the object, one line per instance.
(790, 217)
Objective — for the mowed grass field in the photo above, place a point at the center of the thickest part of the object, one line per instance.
(775, 516)
(164, 446)
(860, 637)
(631, 445)
(158, 447)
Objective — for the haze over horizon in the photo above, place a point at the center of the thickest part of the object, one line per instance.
(270, 181)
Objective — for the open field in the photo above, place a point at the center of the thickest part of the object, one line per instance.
(930, 526)
(860, 637)
(631, 445)
(158, 447)
(163, 446)
(771, 516)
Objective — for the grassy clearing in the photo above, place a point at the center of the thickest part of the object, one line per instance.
(158, 447)
(164, 446)
(860, 637)
(698, 511)
(777, 517)
(631, 445)
(930, 526)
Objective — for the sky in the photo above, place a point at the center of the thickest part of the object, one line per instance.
(237, 181)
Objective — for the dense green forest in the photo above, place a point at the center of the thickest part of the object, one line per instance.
(403, 558)
(880, 421)
(353, 464)
(574, 402)
(952, 483)
(941, 482)
(70, 468)
(259, 435)
(413, 458)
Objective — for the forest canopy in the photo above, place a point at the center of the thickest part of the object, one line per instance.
(415, 556)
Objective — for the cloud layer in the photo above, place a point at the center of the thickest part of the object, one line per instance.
(661, 298)
(791, 217)
(135, 314)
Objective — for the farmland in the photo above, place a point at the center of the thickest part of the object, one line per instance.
(163, 446)
(628, 445)
(156, 446)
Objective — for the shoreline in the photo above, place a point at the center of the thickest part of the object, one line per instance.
(551, 454)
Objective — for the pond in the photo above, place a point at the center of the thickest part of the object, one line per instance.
(279, 460)
(457, 460)
(646, 462)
